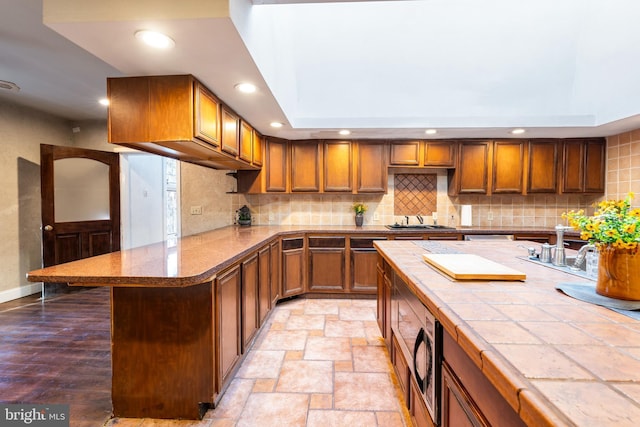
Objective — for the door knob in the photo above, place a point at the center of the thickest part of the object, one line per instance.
(48, 228)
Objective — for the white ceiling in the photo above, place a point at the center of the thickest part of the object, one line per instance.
(469, 68)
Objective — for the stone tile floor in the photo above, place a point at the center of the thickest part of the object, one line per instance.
(316, 363)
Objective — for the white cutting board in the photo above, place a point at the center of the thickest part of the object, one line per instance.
(472, 267)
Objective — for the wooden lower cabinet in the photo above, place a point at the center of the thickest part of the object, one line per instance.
(293, 266)
(327, 261)
(401, 367)
(228, 335)
(417, 407)
(468, 398)
(264, 283)
(250, 282)
(363, 260)
(275, 272)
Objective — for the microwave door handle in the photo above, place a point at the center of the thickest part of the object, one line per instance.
(419, 340)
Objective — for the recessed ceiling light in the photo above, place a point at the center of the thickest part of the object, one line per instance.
(518, 131)
(104, 101)
(345, 132)
(276, 125)
(155, 39)
(430, 131)
(246, 87)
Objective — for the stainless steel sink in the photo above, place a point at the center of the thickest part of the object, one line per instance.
(418, 227)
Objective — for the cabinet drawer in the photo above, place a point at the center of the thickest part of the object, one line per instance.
(363, 242)
(290, 244)
(326, 242)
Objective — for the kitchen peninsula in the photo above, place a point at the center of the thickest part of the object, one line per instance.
(184, 315)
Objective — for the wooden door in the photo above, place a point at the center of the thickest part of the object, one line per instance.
(573, 167)
(276, 167)
(207, 115)
(405, 153)
(293, 266)
(229, 140)
(80, 193)
(246, 142)
(258, 143)
(227, 324)
(594, 151)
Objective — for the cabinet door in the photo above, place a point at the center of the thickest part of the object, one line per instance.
(458, 409)
(473, 168)
(406, 153)
(380, 297)
(258, 146)
(337, 166)
(293, 266)
(227, 324)
(264, 283)
(417, 407)
(594, 151)
(372, 168)
(276, 167)
(246, 142)
(573, 167)
(440, 153)
(327, 263)
(275, 272)
(401, 367)
(305, 166)
(364, 259)
(207, 115)
(128, 112)
(508, 166)
(543, 167)
(229, 140)
(171, 105)
(250, 319)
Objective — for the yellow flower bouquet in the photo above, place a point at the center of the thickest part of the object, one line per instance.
(614, 224)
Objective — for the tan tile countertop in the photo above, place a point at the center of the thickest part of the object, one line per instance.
(556, 360)
(196, 259)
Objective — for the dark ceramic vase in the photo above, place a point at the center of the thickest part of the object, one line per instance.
(359, 220)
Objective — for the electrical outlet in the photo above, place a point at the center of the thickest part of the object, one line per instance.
(196, 210)
(490, 216)
(376, 216)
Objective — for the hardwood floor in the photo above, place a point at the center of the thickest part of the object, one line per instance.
(58, 351)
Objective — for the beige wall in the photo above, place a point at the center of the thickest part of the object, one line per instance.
(22, 130)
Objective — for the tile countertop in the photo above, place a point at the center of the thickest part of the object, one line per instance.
(196, 259)
(556, 360)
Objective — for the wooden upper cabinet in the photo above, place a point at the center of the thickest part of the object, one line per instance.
(404, 153)
(583, 166)
(595, 169)
(206, 115)
(372, 167)
(275, 169)
(305, 166)
(471, 175)
(258, 147)
(229, 141)
(542, 176)
(246, 142)
(337, 166)
(440, 154)
(508, 166)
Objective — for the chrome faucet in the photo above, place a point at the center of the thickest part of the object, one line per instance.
(582, 255)
(420, 219)
(559, 258)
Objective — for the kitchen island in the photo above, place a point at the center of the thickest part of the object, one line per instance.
(550, 359)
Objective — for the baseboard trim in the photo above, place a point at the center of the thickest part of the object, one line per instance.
(20, 291)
